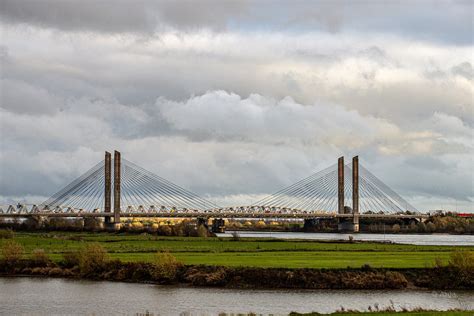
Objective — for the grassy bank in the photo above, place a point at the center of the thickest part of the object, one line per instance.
(246, 252)
(245, 263)
(411, 313)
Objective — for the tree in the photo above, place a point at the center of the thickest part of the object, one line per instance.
(431, 227)
(396, 228)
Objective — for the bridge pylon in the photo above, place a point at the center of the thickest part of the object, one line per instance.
(348, 224)
(355, 192)
(340, 185)
(107, 186)
(117, 187)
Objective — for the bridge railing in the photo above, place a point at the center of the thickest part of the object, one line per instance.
(153, 210)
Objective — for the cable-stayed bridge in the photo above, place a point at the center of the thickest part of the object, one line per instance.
(116, 188)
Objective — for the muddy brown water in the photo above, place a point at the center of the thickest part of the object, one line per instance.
(42, 296)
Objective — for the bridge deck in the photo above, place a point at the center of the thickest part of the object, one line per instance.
(220, 215)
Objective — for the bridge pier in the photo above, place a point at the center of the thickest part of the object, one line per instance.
(349, 224)
(218, 225)
(203, 221)
(310, 224)
(93, 223)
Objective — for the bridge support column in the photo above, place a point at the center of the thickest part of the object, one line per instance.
(310, 224)
(218, 225)
(340, 185)
(117, 166)
(355, 193)
(203, 221)
(108, 187)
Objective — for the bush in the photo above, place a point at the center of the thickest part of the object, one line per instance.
(165, 266)
(40, 257)
(202, 231)
(92, 258)
(137, 226)
(71, 259)
(12, 251)
(93, 224)
(235, 236)
(431, 227)
(462, 260)
(396, 228)
(164, 230)
(6, 234)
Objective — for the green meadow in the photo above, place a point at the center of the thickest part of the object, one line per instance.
(244, 252)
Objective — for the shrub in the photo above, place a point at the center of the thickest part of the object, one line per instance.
(164, 230)
(462, 260)
(93, 224)
(6, 234)
(12, 251)
(366, 267)
(71, 259)
(439, 263)
(431, 227)
(422, 227)
(92, 258)
(396, 228)
(202, 231)
(235, 236)
(178, 230)
(153, 227)
(137, 226)
(40, 257)
(165, 266)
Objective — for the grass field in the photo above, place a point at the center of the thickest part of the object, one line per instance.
(245, 252)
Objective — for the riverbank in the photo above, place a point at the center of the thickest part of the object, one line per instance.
(419, 312)
(237, 262)
(442, 278)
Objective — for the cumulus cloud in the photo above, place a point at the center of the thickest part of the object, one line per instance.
(226, 147)
(234, 100)
(373, 75)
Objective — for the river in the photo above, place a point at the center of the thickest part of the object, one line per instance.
(431, 239)
(39, 296)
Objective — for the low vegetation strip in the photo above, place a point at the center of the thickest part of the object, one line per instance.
(93, 261)
(243, 252)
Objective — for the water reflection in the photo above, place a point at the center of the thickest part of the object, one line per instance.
(434, 239)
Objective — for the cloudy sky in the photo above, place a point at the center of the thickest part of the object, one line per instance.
(236, 99)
